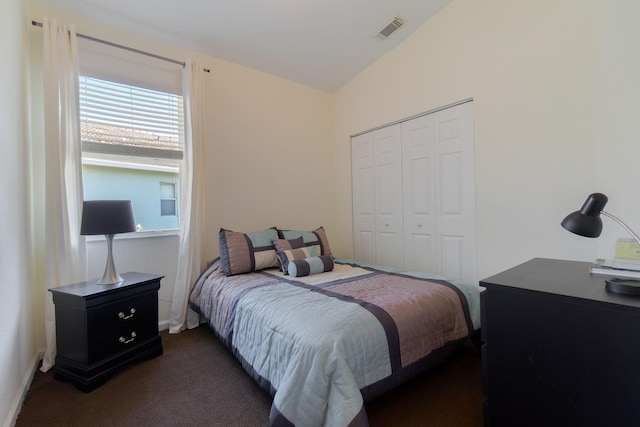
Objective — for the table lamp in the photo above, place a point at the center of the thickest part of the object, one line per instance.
(586, 222)
(108, 217)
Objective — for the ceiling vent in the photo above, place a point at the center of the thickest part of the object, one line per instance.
(390, 28)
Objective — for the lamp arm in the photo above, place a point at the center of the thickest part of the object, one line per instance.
(623, 225)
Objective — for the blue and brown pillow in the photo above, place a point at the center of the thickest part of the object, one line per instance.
(308, 266)
(244, 253)
(317, 237)
(284, 245)
(289, 255)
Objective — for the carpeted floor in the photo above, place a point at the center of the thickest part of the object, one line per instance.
(197, 382)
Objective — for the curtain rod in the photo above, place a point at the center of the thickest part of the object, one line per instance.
(119, 46)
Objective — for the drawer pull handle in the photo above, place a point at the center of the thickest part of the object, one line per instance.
(123, 340)
(125, 317)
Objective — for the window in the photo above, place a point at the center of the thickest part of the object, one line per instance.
(167, 199)
(131, 146)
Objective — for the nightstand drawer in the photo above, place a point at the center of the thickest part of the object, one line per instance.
(122, 325)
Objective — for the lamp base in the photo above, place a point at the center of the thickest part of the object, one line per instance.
(110, 275)
(108, 278)
(623, 286)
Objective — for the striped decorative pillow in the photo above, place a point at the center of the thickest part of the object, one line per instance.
(286, 256)
(317, 237)
(307, 266)
(244, 253)
(283, 245)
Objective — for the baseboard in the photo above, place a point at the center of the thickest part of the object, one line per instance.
(163, 325)
(10, 421)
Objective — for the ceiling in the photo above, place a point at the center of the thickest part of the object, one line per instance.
(319, 43)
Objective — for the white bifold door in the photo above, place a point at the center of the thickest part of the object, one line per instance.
(363, 198)
(414, 194)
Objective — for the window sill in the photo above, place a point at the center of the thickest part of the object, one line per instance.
(136, 235)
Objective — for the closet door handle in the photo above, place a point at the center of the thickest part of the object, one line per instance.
(419, 224)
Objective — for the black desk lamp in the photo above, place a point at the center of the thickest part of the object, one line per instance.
(586, 222)
(108, 217)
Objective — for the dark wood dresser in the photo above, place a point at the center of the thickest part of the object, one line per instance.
(558, 348)
(100, 328)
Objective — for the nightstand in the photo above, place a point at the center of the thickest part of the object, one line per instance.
(559, 349)
(100, 328)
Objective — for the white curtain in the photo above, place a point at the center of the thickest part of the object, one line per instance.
(65, 251)
(192, 199)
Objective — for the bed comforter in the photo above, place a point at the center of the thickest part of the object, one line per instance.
(324, 344)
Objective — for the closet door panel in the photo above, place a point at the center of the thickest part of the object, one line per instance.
(387, 154)
(456, 192)
(453, 261)
(367, 246)
(419, 195)
(420, 253)
(363, 198)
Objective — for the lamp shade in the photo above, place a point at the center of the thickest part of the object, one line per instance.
(107, 217)
(587, 222)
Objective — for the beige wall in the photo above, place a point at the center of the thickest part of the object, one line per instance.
(18, 348)
(544, 115)
(616, 95)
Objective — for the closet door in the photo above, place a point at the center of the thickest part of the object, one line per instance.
(387, 155)
(363, 198)
(414, 195)
(455, 192)
(419, 188)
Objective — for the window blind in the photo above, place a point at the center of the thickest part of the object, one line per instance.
(127, 120)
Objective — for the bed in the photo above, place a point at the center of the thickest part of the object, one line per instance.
(334, 334)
